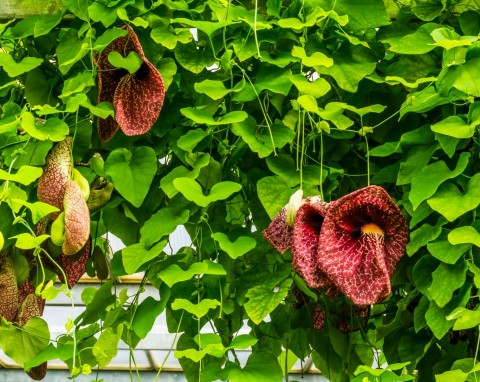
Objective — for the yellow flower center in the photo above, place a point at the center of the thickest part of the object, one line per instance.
(372, 228)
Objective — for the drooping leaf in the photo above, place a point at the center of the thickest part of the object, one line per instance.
(237, 248)
(174, 274)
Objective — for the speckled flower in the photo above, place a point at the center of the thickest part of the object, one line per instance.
(363, 236)
(137, 98)
(306, 232)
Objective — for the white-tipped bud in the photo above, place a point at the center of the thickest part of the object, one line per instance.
(296, 200)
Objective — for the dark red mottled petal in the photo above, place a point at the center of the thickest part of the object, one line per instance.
(8, 288)
(139, 99)
(25, 290)
(56, 172)
(39, 372)
(361, 264)
(318, 318)
(74, 267)
(77, 219)
(306, 232)
(279, 233)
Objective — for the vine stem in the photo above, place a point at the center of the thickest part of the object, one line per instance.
(255, 31)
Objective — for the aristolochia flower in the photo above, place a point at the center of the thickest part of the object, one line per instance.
(137, 98)
(352, 244)
(363, 236)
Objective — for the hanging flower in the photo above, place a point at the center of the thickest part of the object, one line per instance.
(306, 231)
(363, 236)
(137, 98)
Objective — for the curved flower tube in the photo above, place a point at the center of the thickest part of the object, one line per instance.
(363, 237)
(137, 98)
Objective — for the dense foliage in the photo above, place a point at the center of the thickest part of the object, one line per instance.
(262, 98)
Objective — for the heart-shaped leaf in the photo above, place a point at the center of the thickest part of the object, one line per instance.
(132, 172)
(451, 203)
(193, 192)
(131, 63)
(235, 249)
(134, 256)
(199, 310)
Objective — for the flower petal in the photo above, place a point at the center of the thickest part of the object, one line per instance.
(8, 288)
(56, 172)
(77, 219)
(361, 264)
(279, 233)
(74, 267)
(137, 98)
(306, 231)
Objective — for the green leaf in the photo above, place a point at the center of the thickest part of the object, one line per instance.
(239, 247)
(199, 310)
(38, 209)
(316, 89)
(78, 7)
(174, 274)
(261, 366)
(46, 23)
(464, 318)
(210, 344)
(193, 59)
(193, 192)
(260, 141)
(446, 279)
(148, 311)
(188, 141)
(452, 375)
(107, 37)
(166, 183)
(417, 42)
(24, 344)
(28, 241)
(464, 235)
(465, 78)
(70, 50)
(132, 62)
(362, 14)
(134, 256)
(437, 317)
(53, 128)
(162, 223)
(243, 341)
(426, 182)
(106, 347)
(132, 172)
(2, 240)
(425, 100)
(14, 69)
(263, 300)
(205, 26)
(351, 65)
(214, 89)
(443, 250)
(454, 126)
(316, 59)
(206, 117)
(62, 352)
(25, 175)
(451, 203)
(424, 235)
(274, 194)
(272, 78)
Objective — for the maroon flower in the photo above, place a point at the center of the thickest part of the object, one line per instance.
(363, 236)
(306, 232)
(137, 98)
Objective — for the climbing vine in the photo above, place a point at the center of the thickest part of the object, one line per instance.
(143, 116)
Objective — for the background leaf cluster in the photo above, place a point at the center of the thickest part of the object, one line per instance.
(263, 98)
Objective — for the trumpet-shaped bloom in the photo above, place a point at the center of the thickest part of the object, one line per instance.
(363, 237)
(350, 245)
(137, 98)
